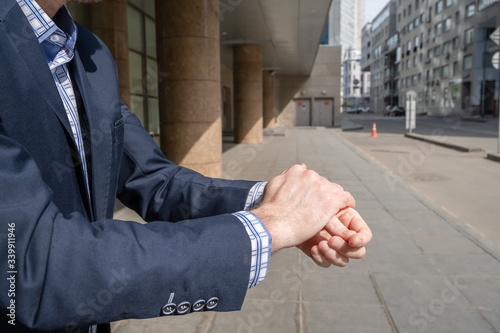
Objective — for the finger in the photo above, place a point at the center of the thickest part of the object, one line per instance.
(318, 258)
(336, 228)
(332, 256)
(347, 200)
(296, 167)
(345, 249)
(353, 221)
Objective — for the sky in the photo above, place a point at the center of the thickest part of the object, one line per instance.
(373, 7)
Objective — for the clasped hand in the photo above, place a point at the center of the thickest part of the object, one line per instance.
(300, 208)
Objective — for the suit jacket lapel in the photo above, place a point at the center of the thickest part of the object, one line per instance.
(31, 55)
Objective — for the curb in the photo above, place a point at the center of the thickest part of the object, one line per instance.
(350, 126)
(493, 157)
(444, 144)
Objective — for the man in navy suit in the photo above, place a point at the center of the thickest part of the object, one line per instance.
(69, 147)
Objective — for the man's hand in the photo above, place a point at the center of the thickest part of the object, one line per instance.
(343, 238)
(299, 207)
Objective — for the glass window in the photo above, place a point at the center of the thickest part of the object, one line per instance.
(437, 73)
(150, 37)
(410, 26)
(457, 17)
(415, 61)
(455, 68)
(449, 3)
(437, 51)
(135, 29)
(439, 28)
(446, 48)
(142, 63)
(408, 63)
(468, 62)
(136, 72)
(447, 24)
(439, 6)
(445, 72)
(417, 22)
(469, 36)
(456, 42)
(470, 10)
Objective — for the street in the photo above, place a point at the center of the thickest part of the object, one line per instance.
(466, 185)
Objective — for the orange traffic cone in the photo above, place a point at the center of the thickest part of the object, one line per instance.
(374, 130)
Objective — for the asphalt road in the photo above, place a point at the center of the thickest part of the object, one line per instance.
(466, 185)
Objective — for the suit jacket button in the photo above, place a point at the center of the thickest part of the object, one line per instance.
(212, 303)
(183, 308)
(168, 309)
(199, 305)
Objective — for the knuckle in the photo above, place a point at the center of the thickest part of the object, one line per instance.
(337, 187)
(310, 175)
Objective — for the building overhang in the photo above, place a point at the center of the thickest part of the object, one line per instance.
(289, 31)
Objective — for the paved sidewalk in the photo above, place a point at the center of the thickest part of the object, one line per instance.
(424, 271)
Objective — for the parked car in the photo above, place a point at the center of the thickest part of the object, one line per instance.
(353, 110)
(365, 109)
(394, 111)
(397, 111)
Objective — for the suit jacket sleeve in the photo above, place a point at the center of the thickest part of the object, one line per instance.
(73, 273)
(158, 189)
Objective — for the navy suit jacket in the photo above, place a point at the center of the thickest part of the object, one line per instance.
(75, 265)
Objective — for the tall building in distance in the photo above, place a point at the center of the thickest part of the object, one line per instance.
(343, 28)
(345, 22)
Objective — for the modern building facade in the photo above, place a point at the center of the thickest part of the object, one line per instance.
(343, 28)
(353, 79)
(193, 69)
(442, 56)
(345, 22)
(379, 44)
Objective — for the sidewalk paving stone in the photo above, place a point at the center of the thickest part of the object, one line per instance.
(422, 273)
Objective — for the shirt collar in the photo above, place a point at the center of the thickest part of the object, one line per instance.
(50, 35)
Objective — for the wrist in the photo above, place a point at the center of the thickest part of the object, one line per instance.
(272, 224)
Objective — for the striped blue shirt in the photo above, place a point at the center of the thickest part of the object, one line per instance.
(58, 46)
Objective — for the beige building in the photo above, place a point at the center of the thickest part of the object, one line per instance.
(195, 69)
(313, 100)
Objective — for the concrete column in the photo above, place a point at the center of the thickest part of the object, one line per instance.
(190, 94)
(248, 90)
(108, 20)
(269, 99)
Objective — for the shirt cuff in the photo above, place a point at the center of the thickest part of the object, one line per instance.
(261, 240)
(255, 196)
